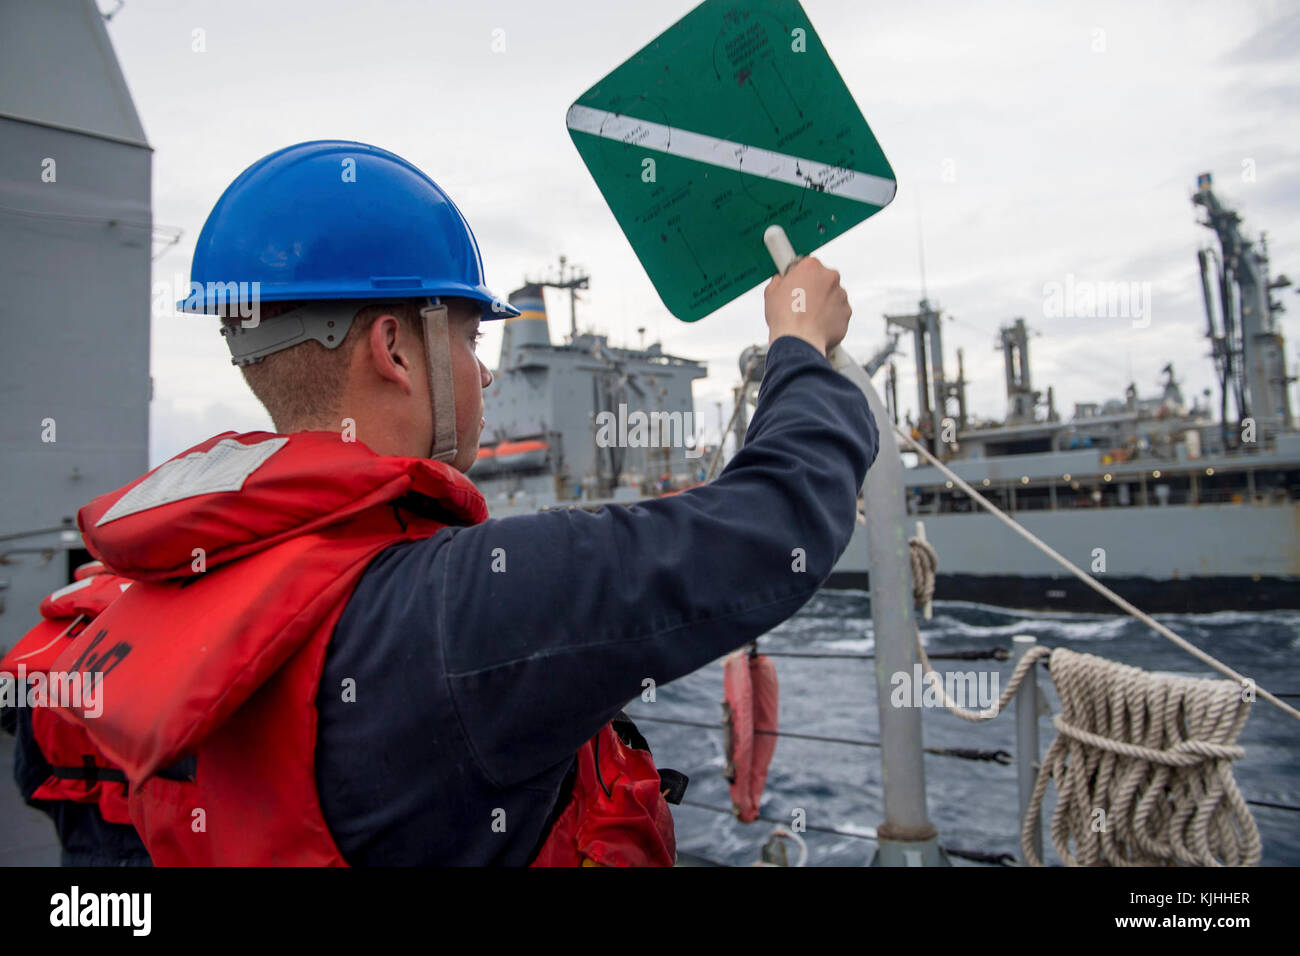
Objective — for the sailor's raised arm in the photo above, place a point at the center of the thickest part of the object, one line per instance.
(550, 623)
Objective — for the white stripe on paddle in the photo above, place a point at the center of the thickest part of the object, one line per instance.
(832, 180)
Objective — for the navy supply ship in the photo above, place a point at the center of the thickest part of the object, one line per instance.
(583, 422)
(1175, 507)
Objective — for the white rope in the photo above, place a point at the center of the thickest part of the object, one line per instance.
(1143, 768)
(1244, 684)
(1142, 762)
(1017, 676)
(925, 567)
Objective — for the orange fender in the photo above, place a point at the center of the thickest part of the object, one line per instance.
(750, 704)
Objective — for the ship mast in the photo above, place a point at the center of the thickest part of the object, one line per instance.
(1022, 400)
(933, 390)
(1248, 348)
(574, 281)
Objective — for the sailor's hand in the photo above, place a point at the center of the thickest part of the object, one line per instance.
(808, 302)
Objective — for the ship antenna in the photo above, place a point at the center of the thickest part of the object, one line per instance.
(920, 246)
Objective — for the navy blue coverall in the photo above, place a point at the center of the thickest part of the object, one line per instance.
(475, 687)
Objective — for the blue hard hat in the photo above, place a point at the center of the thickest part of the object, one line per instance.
(333, 219)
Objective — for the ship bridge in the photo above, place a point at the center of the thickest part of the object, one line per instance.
(583, 419)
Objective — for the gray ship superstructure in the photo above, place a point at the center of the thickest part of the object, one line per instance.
(76, 232)
(1175, 507)
(583, 421)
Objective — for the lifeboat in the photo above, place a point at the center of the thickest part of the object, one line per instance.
(511, 456)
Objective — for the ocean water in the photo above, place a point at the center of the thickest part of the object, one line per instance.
(973, 804)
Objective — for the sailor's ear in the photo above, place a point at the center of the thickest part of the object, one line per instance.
(392, 355)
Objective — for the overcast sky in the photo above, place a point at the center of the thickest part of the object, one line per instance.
(1032, 141)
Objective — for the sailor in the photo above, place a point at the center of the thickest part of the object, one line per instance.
(330, 656)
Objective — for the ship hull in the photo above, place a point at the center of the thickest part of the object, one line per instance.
(1162, 559)
(1200, 595)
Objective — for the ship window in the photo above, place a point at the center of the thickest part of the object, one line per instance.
(1027, 446)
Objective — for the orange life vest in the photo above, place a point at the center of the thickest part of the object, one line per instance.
(244, 552)
(78, 771)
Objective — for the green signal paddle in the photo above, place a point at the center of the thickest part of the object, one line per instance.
(732, 120)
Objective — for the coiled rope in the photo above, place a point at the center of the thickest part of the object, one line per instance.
(1142, 762)
(925, 567)
(1143, 767)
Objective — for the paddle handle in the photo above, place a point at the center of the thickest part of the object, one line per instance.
(783, 255)
(778, 245)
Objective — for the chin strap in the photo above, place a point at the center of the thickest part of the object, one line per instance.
(442, 392)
